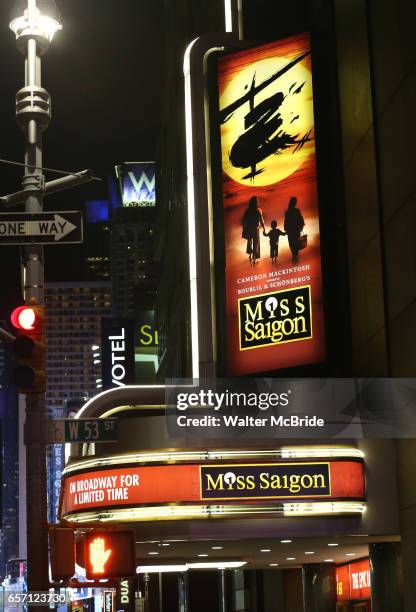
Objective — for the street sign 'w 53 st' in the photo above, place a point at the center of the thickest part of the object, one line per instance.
(81, 430)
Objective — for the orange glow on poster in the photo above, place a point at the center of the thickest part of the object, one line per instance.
(274, 306)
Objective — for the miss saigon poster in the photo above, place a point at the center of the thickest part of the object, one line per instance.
(272, 241)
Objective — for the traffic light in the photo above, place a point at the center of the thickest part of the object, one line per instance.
(29, 374)
(109, 554)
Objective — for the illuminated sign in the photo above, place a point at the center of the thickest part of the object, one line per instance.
(146, 341)
(354, 581)
(108, 601)
(167, 484)
(146, 333)
(125, 596)
(148, 336)
(279, 317)
(271, 220)
(117, 352)
(287, 480)
(137, 182)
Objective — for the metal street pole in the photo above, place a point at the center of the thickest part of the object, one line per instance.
(33, 287)
(33, 116)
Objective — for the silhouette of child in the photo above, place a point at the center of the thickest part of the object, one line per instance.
(274, 235)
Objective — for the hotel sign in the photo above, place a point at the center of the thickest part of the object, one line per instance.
(137, 182)
(117, 352)
(278, 480)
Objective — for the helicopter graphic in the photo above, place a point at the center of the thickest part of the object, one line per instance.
(264, 134)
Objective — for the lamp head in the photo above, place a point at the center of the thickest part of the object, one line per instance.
(35, 19)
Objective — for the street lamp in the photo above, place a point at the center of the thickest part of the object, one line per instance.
(34, 23)
(39, 20)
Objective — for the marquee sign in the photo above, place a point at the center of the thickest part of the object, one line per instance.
(169, 484)
(273, 274)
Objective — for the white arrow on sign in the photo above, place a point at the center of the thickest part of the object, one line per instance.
(58, 228)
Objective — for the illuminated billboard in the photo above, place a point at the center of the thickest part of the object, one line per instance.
(273, 276)
(137, 183)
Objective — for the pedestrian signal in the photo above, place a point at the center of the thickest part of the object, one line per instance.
(109, 553)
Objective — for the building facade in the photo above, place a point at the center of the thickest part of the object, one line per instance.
(73, 325)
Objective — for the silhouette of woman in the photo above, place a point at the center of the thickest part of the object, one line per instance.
(294, 224)
(252, 220)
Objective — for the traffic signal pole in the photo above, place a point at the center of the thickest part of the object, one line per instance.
(33, 116)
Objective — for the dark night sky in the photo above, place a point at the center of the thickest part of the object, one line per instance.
(104, 73)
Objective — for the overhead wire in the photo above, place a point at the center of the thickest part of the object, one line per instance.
(63, 172)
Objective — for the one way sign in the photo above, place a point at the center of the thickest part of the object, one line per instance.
(41, 228)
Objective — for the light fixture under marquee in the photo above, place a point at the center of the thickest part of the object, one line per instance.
(299, 452)
(178, 512)
(184, 567)
(217, 565)
(324, 508)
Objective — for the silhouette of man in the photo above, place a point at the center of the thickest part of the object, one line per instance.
(294, 224)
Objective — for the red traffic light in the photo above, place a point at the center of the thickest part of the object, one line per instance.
(109, 554)
(23, 317)
(26, 318)
(29, 375)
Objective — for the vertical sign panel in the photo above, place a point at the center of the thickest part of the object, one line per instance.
(125, 599)
(117, 352)
(272, 239)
